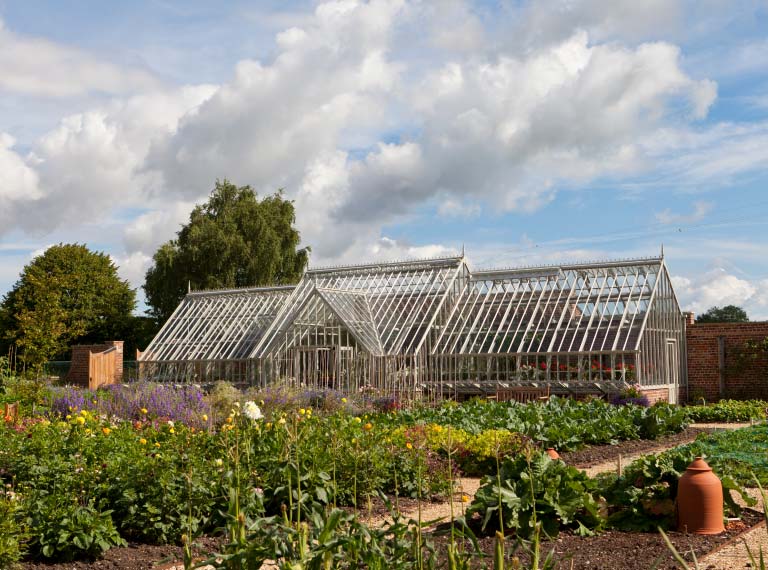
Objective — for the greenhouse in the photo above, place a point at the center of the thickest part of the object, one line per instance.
(435, 328)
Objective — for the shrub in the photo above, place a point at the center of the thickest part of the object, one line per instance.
(728, 411)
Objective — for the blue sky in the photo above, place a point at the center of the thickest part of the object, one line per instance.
(528, 132)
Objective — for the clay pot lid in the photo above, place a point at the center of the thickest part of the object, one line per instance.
(699, 465)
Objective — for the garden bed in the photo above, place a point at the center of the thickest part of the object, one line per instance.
(627, 550)
(610, 549)
(596, 454)
(135, 556)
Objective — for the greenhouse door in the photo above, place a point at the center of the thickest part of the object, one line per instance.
(673, 370)
(345, 368)
(316, 366)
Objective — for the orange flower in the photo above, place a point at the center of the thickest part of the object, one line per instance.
(106, 430)
(409, 445)
(368, 426)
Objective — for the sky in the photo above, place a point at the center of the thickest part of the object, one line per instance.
(526, 133)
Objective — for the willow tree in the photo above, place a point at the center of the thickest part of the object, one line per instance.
(233, 240)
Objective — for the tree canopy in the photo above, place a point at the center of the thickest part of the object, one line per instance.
(727, 314)
(233, 240)
(68, 294)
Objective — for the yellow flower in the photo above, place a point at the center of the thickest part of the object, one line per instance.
(157, 444)
(205, 417)
(409, 445)
(106, 430)
(80, 420)
(218, 462)
(465, 498)
(281, 421)
(343, 400)
(83, 413)
(144, 411)
(69, 416)
(358, 420)
(171, 430)
(229, 420)
(268, 425)
(302, 411)
(143, 441)
(88, 431)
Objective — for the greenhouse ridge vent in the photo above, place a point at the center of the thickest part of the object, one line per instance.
(435, 328)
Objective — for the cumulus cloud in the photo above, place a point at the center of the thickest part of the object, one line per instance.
(503, 127)
(17, 179)
(37, 66)
(718, 288)
(90, 165)
(362, 133)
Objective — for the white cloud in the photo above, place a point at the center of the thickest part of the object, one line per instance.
(363, 133)
(149, 230)
(550, 21)
(17, 179)
(91, 164)
(700, 210)
(37, 66)
(451, 208)
(718, 288)
(499, 127)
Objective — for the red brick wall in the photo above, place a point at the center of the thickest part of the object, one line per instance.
(743, 378)
(657, 395)
(78, 371)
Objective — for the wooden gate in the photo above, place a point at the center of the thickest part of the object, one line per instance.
(102, 368)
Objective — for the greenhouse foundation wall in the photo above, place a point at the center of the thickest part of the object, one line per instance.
(657, 395)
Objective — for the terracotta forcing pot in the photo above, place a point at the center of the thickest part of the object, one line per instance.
(700, 500)
(552, 453)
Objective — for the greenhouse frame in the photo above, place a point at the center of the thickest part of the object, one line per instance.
(434, 328)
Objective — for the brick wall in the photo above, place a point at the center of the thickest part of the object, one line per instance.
(657, 395)
(78, 371)
(741, 377)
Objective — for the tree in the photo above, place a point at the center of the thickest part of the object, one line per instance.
(233, 240)
(68, 294)
(727, 314)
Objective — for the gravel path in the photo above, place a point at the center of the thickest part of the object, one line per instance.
(734, 556)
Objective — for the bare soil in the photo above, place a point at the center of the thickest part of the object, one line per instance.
(596, 454)
(135, 556)
(614, 550)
